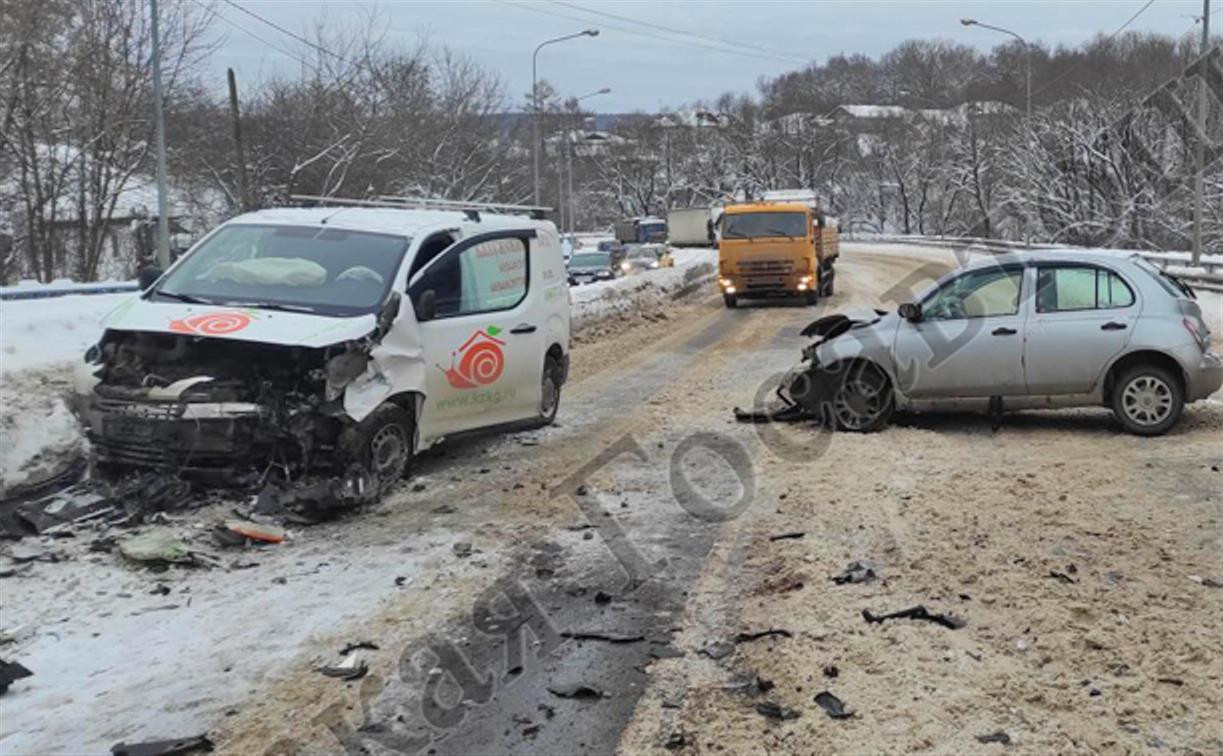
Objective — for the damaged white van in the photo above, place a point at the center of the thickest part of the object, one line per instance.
(355, 334)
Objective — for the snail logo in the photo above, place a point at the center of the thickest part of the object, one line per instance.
(212, 323)
(480, 360)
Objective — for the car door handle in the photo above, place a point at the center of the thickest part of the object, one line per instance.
(1113, 325)
(1004, 332)
(523, 328)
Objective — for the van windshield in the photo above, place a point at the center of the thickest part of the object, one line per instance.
(591, 260)
(763, 225)
(320, 270)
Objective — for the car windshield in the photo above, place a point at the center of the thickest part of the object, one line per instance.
(763, 225)
(323, 270)
(591, 260)
(642, 253)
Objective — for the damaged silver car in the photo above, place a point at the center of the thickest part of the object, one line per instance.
(331, 337)
(1031, 330)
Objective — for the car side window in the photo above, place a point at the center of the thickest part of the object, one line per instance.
(485, 277)
(1066, 288)
(977, 294)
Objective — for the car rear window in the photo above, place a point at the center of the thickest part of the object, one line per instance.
(1168, 283)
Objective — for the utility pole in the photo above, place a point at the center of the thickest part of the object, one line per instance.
(244, 199)
(1199, 150)
(163, 222)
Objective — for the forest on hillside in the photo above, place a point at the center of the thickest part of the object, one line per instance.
(947, 146)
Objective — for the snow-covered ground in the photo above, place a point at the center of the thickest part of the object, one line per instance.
(592, 302)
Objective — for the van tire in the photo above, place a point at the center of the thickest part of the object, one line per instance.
(731, 300)
(550, 390)
(1142, 384)
(383, 443)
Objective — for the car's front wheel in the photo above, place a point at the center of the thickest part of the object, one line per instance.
(382, 443)
(863, 400)
(1147, 400)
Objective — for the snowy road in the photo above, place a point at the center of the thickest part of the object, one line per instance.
(234, 651)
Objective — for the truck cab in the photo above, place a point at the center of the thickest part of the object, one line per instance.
(775, 248)
(331, 336)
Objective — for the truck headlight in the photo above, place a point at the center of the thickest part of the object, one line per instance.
(725, 282)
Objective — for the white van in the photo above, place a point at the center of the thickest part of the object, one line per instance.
(336, 336)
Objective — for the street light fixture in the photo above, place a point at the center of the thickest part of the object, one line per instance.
(603, 91)
(535, 98)
(1027, 57)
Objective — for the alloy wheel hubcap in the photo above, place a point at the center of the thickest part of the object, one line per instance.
(858, 403)
(547, 402)
(1147, 400)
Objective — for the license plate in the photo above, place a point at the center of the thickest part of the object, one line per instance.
(127, 428)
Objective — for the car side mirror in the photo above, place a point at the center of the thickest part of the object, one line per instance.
(426, 305)
(910, 312)
(146, 277)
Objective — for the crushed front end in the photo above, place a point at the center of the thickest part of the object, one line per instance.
(190, 404)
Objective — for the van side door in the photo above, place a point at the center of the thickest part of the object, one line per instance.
(484, 354)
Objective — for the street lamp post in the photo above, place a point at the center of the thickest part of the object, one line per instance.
(1027, 65)
(569, 159)
(535, 147)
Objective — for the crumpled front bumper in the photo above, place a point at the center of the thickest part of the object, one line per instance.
(186, 436)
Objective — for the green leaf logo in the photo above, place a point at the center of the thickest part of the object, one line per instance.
(493, 330)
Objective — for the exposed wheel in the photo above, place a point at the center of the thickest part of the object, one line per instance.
(550, 390)
(863, 400)
(382, 443)
(730, 299)
(1147, 400)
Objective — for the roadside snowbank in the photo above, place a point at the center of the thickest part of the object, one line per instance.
(38, 333)
(591, 303)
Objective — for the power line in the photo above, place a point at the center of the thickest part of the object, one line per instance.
(673, 30)
(1109, 38)
(265, 42)
(285, 31)
(672, 40)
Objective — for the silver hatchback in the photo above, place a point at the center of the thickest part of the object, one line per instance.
(1044, 329)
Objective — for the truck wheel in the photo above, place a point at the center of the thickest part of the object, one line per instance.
(812, 298)
(550, 391)
(730, 299)
(382, 443)
(1147, 400)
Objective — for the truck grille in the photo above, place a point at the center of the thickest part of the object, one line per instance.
(765, 267)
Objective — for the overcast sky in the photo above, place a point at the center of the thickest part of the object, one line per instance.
(653, 67)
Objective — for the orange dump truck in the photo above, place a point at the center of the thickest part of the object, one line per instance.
(775, 248)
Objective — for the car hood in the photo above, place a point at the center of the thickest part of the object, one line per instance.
(238, 323)
(850, 334)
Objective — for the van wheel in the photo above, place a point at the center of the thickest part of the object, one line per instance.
(382, 443)
(550, 391)
(730, 299)
(863, 401)
(1147, 400)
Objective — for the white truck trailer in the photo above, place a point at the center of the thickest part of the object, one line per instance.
(691, 227)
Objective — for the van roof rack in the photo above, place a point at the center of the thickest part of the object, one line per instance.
(472, 209)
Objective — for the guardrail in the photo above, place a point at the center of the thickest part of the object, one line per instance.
(1176, 262)
(13, 293)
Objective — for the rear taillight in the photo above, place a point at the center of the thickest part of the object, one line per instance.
(1195, 329)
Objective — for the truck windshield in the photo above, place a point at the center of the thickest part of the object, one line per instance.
(761, 225)
(322, 270)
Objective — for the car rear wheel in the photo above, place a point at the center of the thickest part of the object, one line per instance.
(550, 391)
(730, 299)
(1147, 400)
(382, 443)
(863, 401)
